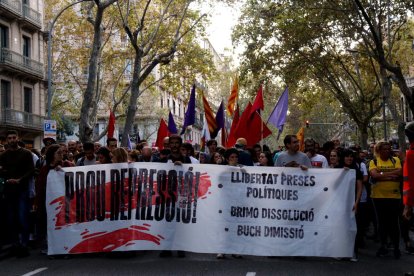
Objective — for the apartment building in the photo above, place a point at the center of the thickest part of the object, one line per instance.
(22, 99)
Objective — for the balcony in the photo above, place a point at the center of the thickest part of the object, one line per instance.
(20, 65)
(20, 119)
(31, 18)
(28, 17)
(10, 8)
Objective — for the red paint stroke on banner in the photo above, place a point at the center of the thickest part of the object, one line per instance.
(203, 187)
(107, 242)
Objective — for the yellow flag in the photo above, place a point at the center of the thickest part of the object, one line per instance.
(301, 138)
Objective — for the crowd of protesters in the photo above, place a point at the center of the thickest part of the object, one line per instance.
(378, 187)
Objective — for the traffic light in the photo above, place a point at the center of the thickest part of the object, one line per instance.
(307, 123)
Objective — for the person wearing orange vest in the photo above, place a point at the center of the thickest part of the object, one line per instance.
(408, 172)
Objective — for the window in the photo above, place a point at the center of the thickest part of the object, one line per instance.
(5, 94)
(179, 109)
(26, 46)
(162, 102)
(27, 99)
(4, 37)
(173, 107)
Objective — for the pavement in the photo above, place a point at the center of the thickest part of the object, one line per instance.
(149, 263)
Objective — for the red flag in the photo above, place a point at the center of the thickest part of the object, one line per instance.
(231, 138)
(111, 124)
(249, 127)
(258, 101)
(162, 133)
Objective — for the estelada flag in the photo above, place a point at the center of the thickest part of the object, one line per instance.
(301, 138)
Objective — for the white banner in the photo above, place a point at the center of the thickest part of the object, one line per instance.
(201, 208)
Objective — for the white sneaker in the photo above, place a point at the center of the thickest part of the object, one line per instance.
(354, 258)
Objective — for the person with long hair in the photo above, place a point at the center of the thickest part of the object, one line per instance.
(348, 161)
(119, 155)
(217, 159)
(266, 159)
(104, 155)
(54, 161)
(386, 172)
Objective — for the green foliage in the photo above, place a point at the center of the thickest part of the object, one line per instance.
(73, 34)
(305, 44)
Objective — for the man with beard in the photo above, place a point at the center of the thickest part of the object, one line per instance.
(317, 160)
(17, 168)
(292, 157)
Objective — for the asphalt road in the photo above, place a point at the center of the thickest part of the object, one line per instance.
(148, 263)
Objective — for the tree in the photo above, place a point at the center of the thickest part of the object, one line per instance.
(309, 41)
(115, 60)
(152, 44)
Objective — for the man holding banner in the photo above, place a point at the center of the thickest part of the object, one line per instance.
(292, 157)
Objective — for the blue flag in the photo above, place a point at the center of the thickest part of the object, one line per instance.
(172, 128)
(278, 115)
(189, 118)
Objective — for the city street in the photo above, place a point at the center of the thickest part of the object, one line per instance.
(149, 263)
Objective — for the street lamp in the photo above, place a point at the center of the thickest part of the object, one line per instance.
(49, 56)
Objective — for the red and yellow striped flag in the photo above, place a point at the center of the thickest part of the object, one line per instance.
(231, 104)
(208, 112)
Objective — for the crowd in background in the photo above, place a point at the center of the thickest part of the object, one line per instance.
(378, 205)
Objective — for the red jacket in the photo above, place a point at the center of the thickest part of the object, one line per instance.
(408, 171)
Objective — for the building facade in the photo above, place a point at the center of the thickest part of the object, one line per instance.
(22, 100)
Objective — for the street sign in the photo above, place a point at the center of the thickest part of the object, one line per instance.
(49, 129)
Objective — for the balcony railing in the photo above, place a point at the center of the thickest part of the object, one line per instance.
(18, 118)
(21, 62)
(13, 6)
(32, 15)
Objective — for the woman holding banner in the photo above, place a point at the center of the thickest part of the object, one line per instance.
(232, 157)
(348, 161)
(54, 161)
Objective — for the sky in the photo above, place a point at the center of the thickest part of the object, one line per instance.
(223, 18)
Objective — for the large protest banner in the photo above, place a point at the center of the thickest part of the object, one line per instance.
(201, 208)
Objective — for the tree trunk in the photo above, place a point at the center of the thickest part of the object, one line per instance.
(405, 90)
(392, 106)
(133, 99)
(89, 97)
(363, 136)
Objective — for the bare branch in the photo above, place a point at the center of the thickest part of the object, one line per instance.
(148, 45)
(141, 24)
(151, 84)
